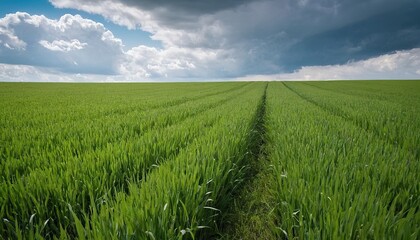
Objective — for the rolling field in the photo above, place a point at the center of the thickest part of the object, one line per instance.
(249, 160)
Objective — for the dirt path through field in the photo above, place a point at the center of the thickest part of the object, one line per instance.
(250, 214)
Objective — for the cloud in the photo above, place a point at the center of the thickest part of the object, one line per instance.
(132, 13)
(397, 65)
(73, 44)
(266, 36)
(215, 39)
(10, 41)
(70, 44)
(377, 35)
(174, 62)
(25, 73)
(62, 45)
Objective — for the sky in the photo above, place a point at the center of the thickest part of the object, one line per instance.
(189, 40)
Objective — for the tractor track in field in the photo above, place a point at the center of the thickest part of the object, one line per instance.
(249, 214)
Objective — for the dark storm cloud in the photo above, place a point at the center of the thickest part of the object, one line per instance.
(300, 13)
(397, 29)
(327, 32)
(194, 7)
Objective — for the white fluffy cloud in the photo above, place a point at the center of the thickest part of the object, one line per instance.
(10, 41)
(116, 11)
(62, 45)
(73, 44)
(174, 62)
(69, 44)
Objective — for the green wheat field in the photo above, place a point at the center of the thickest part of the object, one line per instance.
(238, 160)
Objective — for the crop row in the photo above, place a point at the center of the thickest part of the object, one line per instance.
(334, 179)
(389, 120)
(183, 196)
(55, 169)
(57, 140)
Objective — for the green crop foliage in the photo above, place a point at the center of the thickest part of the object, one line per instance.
(166, 161)
(346, 162)
(71, 151)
